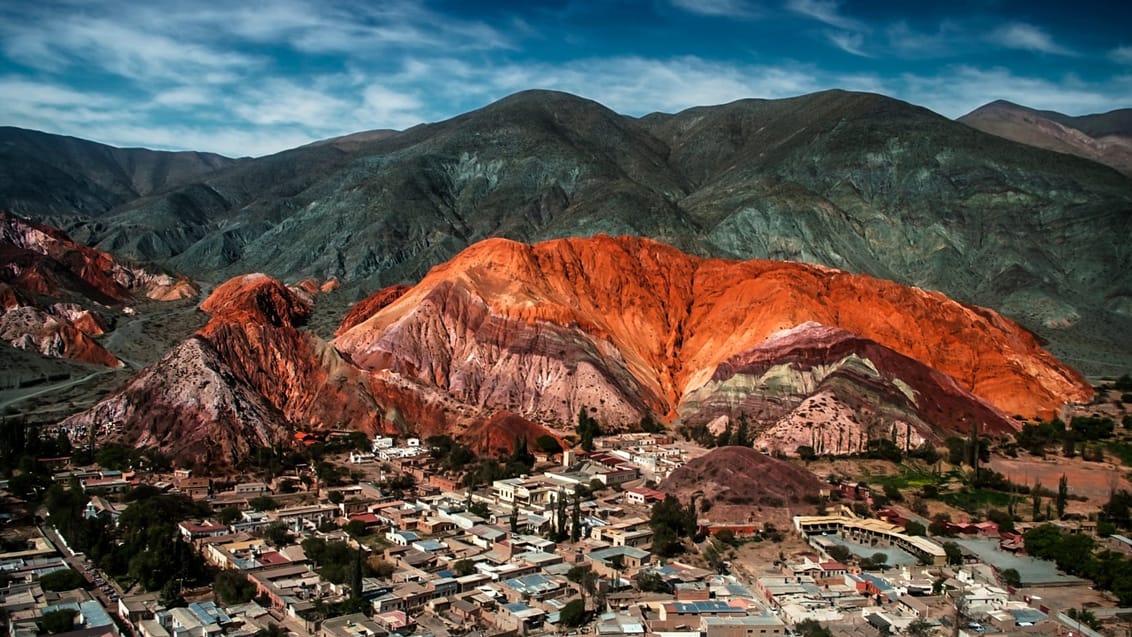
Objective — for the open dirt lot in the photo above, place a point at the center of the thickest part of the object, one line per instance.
(1092, 480)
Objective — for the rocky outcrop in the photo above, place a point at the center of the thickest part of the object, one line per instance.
(60, 331)
(38, 263)
(834, 391)
(250, 377)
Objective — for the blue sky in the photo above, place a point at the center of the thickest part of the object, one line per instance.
(251, 78)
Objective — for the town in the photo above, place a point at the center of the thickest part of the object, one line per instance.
(390, 536)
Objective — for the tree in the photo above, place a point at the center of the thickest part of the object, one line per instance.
(939, 525)
(650, 582)
(914, 528)
(1002, 519)
(336, 497)
(355, 528)
(58, 621)
(1084, 616)
(1062, 495)
(548, 444)
(576, 518)
(560, 515)
(573, 614)
(228, 515)
(1011, 578)
(263, 503)
(919, 628)
(233, 587)
(463, 567)
(170, 596)
(953, 552)
(1036, 501)
(64, 579)
(513, 519)
(840, 553)
(811, 628)
(277, 534)
(588, 429)
(670, 521)
(379, 567)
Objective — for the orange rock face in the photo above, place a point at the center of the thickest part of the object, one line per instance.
(636, 325)
(370, 305)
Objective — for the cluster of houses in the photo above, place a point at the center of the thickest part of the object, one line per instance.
(479, 562)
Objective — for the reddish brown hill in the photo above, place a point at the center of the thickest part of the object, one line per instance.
(834, 391)
(251, 376)
(496, 436)
(737, 479)
(40, 261)
(634, 325)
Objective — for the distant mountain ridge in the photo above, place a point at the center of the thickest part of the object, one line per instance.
(1104, 137)
(43, 174)
(856, 181)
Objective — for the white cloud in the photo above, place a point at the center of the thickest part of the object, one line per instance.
(848, 42)
(390, 109)
(828, 12)
(1028, 37)
(961, 89)
(718, 8)
(1121, 55)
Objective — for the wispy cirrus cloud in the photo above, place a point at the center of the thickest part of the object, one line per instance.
(737, 9)
(846, 34)
(1028, 37)
(827, 12)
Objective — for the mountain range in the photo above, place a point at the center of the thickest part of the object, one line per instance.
(791, 262)
(855, 181)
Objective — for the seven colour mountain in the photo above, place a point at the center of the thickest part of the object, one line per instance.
(850, 180)
(627, 327)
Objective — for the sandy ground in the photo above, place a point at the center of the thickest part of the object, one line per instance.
(1092, 480)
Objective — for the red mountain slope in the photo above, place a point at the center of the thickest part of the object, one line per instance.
(632, 325)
